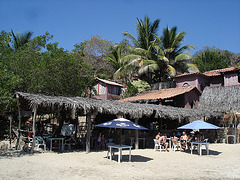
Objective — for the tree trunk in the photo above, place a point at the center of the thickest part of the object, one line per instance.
(34, 127)
(88, 140)
(19, 125)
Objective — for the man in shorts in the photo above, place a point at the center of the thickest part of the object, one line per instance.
(163, 141)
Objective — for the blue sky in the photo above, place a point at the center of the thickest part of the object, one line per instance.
(206, 22)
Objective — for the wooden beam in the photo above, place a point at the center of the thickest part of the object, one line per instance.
(88, 140)
(10, 131)
(34, 127)
(19, 124)
(136, 136)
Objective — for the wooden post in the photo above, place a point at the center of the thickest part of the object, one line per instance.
(34, 126)
(136, 136)
(10, 131)
(88, 140)
(235, 129)
(19, 124)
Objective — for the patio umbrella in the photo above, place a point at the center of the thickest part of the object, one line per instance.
(121, 123)
(198, 124)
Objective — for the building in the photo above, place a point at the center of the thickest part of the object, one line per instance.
(220, 77)
(189, 88)
(185, 97)
(106, 90)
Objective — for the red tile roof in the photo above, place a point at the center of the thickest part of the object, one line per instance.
(110, 82)
(160, 94)
(216, 72)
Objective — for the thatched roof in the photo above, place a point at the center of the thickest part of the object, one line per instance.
(220, 99)
(88, 105)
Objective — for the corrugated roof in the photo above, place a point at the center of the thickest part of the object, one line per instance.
(110, 82)
(160, 94)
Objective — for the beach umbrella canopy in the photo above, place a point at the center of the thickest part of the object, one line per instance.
(198, 124)
(121, 123)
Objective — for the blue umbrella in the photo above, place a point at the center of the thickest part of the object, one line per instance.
(198, 124)
(121, 123)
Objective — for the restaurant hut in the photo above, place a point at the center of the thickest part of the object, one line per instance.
(79, 106)
(225, 100)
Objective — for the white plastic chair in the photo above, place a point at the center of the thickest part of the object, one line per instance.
(40, 142)
(67, 142)
(176, 144)
(158, 145)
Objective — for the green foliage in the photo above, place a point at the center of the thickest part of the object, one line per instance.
(212, 58)
(131, 91)
(52, 72)
(21, 39)
(159, 58)
(93, 52)
(141, 85)
(8, 83)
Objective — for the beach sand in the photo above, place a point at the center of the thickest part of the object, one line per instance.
(222, 163)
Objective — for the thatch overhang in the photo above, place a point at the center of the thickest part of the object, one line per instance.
(85, 106)
(220, 99)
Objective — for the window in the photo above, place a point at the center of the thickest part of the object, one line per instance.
(239, 77)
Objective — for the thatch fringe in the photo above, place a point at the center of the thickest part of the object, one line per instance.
(93, 106)
(220, 99)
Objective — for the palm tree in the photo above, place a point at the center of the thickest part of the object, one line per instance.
(20, 39)
(145, 31)
(170, 43)
(121, 63)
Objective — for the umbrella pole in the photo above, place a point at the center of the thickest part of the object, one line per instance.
(121, 137)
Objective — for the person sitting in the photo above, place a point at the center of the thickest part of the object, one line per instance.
(191, 138)
(183, 140)
(174, 138)
(163, 141)
(157, 137)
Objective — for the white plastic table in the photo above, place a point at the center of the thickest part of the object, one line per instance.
(199, 147)
(120, 148)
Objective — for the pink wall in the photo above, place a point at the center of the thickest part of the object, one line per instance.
(191, 97)
(231, 79)
(194, 80)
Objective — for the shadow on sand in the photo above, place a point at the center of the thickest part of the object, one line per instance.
(134, 158)
(11, 153)
(204, 152)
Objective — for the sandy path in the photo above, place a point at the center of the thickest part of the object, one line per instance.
(223, 163)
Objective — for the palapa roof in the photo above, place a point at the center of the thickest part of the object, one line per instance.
(160, 94)
(220, 99)
(87, 105)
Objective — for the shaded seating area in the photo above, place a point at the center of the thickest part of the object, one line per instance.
(71, 108)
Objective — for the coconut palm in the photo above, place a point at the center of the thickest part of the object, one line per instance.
(145, 32)
(21, 39)
(170, 43)
(121, 63)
